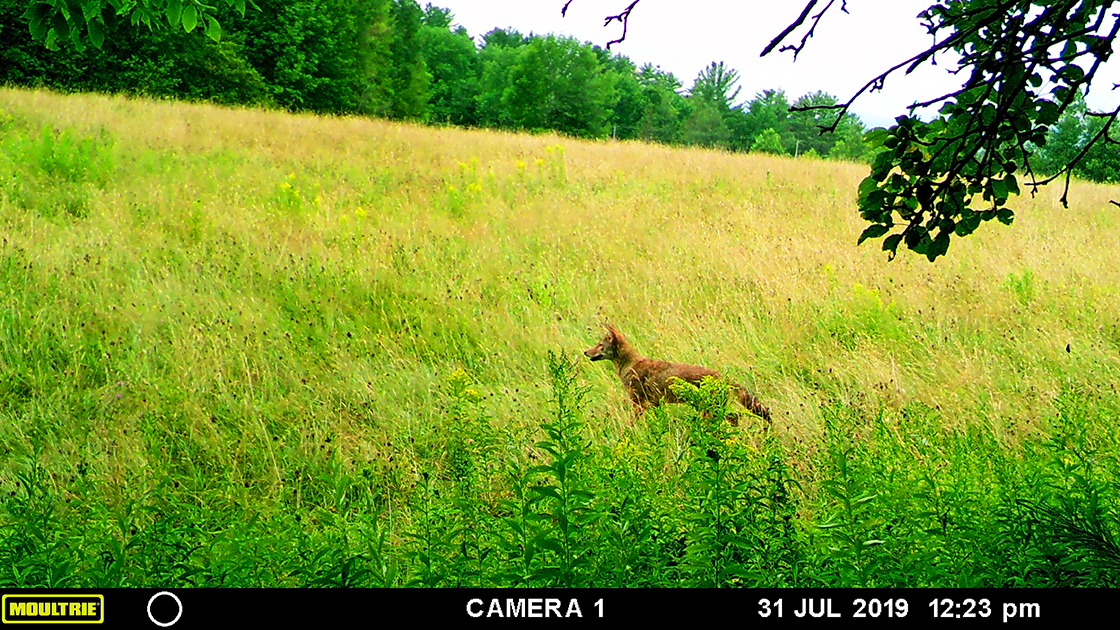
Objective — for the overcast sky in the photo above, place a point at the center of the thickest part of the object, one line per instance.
(685, 36)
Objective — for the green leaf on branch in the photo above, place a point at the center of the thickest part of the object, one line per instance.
(174, 11)
(890, 244)
(875, 137)
(938, 246)
(867, 186)
(873, 231)
(38, 16)
(96, 32)
(190, 17)
(999, 191)
(214, 30)
(1071, 73)
(61, 26)
(1011, 183)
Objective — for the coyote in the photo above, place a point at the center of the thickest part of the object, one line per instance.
(647, 380)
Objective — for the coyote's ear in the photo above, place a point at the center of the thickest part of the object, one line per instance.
(611, 329)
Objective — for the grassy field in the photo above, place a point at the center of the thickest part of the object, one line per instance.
(247, 348)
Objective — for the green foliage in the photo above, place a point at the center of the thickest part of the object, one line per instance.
(54, 21)
(548, 83)
(768, 141)
(663, 108)
(1079, 517)
(849, 143)
(768, 110)
(769, 124)
(716, 86)
(455, 68)
(320, 55)
(809, 124)
(503, 38)
(942, 178)
(705, 127)
(626, 115)
(54, 170)
(1022, 285)
(431, 537)
(563, 492)
(62, 156)
(854, 523)
(393, 59)
(408, 72)
(742, 527)
(1071, 135)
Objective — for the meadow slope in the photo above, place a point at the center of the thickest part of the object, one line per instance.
(244, 347)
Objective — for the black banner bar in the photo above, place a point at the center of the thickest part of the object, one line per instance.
(754, 608)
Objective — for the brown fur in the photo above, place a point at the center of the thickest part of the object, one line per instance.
(647, 380)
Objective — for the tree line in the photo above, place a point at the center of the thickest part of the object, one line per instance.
(394, 59)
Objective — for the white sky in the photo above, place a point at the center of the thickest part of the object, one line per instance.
(683, 37)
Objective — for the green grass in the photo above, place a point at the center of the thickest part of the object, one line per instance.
(244, 348)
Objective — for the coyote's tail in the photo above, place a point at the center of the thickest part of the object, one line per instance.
(752, 404)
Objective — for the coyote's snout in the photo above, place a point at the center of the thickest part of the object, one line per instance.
(647, 380)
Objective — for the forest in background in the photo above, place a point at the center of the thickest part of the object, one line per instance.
(393, 59)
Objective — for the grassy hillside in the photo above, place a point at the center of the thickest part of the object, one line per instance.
(251, 348)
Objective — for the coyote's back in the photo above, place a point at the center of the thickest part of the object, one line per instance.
(647, 380)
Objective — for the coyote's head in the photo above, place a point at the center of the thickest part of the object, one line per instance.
(607, 348)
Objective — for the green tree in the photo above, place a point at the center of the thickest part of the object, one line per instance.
(455, 68)
(769, 110)
(738, 121)
(706, 127)
(437, 17)
(807, 119)
(1063, 140)
(409, 77)
(629, 107)
(716, 85)
(549, 83)
(319, 55)
(811, 116)
(1101, 162)
(503, 38)
(769, 141)
(849, 141)
(713, 116)
(663, 107)
(325, 56)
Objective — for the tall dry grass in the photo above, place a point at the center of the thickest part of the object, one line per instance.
(253, 295)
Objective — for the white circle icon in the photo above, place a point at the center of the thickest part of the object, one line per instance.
(177, 603)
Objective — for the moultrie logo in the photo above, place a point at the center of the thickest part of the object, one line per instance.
(42, 608)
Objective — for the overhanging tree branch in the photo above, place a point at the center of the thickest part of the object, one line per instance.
(792, 27)
(1027, 61)
(796, 49)
(623, 17)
